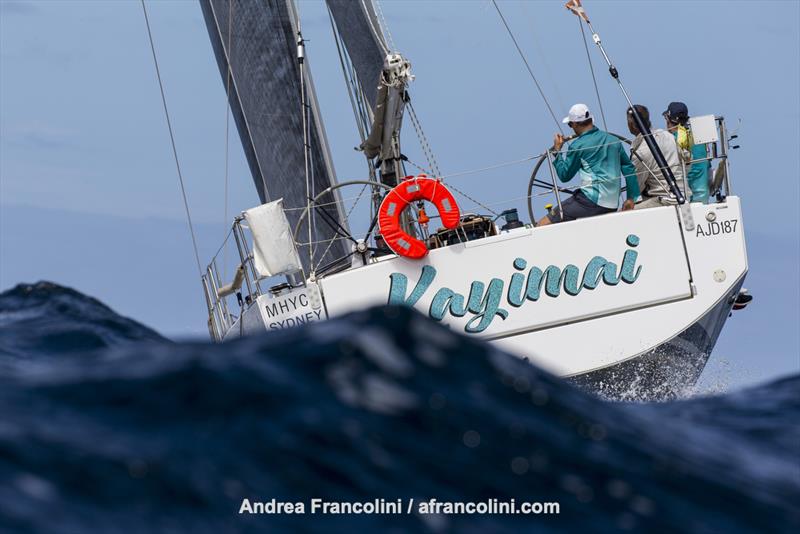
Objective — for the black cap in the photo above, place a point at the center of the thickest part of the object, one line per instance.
(677, 110)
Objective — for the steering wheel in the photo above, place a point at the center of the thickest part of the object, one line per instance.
(342, 232)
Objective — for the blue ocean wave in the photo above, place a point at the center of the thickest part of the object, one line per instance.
(105, 426)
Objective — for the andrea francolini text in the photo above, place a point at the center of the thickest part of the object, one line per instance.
(321, 506)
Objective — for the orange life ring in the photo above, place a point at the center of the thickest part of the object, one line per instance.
(411, 189)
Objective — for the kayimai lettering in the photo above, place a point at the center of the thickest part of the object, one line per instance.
(483, 301)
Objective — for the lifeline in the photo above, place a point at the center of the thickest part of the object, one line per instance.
(485, 305)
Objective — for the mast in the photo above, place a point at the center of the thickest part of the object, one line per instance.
(383, 141)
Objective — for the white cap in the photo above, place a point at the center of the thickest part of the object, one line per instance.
(578, 113)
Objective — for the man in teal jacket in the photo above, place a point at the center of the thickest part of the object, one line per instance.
(601, 161)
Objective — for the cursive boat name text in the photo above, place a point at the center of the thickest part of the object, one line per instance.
(483, 301)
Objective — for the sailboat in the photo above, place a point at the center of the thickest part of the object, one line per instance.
(628, 304)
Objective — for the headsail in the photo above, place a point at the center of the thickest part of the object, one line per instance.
(364, 40)
(265, 98)
(382, 77)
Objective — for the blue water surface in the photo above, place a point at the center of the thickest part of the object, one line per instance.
(105, 426)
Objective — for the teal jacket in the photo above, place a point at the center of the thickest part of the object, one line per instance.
(698, 175)
(601, 160)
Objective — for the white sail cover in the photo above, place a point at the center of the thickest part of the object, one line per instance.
(274, 251)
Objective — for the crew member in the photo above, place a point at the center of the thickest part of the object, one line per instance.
(677, 117)
(654, 187)
(601, 161)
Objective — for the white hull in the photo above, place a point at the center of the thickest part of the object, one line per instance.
(660, 286)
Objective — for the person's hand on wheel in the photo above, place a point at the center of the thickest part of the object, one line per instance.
(558, 142)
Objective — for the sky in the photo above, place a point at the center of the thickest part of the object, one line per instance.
(89, 196)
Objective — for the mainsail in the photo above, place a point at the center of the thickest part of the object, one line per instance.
(257, 43)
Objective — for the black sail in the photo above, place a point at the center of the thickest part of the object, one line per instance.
(265, 99)
(358, 26)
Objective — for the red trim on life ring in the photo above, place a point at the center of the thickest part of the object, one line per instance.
(414, 188)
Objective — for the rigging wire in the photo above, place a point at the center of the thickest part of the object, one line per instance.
(364, 109)
(423, 141)
(172, 141)
(457, 190)
(228, 76)
(591, 69)
(492, 167)
(543, 57)
(306, 119)
(384, 26)
(468, 197)
(352, 85)
(306, 149)
(527, 65)
(335, 226)
(347, 217)
(424, 170)
(224, 242)
(313, 178)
